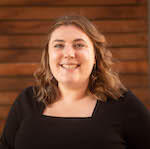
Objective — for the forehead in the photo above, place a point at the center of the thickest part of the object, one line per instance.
(69, 32)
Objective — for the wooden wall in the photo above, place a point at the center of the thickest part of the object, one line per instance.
(23, 28)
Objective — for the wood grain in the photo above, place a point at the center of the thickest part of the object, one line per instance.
(42, 27)
(18, 69)
(140, 67)
(8, 97)
(42, 13)
(135, 81)
(15, 84)
(68, 2)
(129, 54)
(20, 55)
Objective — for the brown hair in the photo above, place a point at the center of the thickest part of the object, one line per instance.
(103, 81)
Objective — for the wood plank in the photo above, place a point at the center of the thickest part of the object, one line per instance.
(121, 26)
(42, 27)
(117, 12)
(135, 81)
(22, 41)
(20, 55)
(4, 111)
(142, 2)
(127, 39)
(130, 54)
(34, 13)
(13, 83)
(142, 93)
(26, 55)
(38, 41)
(8, 97)
(22, 69)
(10, 69)
(65, 2)
(140, 67)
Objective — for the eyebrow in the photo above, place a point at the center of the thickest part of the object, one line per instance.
(59, 40)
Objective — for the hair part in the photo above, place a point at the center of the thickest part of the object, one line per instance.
(103, 81)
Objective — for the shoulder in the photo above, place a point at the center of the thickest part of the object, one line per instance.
(25, 101)
(25, 95)
(127, 105)
(128, 98)
(132, 102)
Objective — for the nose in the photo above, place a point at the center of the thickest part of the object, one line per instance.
(69, 51)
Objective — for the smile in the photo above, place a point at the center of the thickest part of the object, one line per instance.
(72, 66)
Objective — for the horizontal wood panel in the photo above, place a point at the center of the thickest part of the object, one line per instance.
(140, 67)
(22, 69)
(4, 111)
(38, 41)
(26, 55)
(40, 27)
(129, 39)
(142, 93)
(122, 25)
(15, 84)
(135, 81)
(20, 55)
(115, 13)
(27, 13)
(130, 53)
(18, 69)
(8, 97)
(68, 2)
(22, 41)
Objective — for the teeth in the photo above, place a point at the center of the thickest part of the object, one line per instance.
(70, 66)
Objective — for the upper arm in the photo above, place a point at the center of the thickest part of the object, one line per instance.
(137, 124)
(12, 123)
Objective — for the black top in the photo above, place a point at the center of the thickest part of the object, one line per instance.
(122, 124)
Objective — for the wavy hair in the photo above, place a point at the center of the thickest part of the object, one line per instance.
(103, 81)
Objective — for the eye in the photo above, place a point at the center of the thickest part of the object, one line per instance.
(58, 46)
(79, 45)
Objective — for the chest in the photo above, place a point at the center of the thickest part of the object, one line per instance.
(78, 110)
(39, 132)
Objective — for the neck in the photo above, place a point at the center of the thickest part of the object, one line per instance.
(71, 92)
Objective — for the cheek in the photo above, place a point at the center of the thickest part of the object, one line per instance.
(54, 57)
(87, 56)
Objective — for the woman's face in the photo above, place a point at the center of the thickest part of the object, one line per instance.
(71, 55)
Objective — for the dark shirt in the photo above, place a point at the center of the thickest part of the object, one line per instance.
(122, 124)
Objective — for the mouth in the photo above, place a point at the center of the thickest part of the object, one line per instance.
(70, 66)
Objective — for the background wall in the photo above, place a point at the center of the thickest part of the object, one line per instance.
(24, 25)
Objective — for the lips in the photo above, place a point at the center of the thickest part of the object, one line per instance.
(70, 66)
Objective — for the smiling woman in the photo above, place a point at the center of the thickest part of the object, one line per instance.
(78, 101)
(75, 40)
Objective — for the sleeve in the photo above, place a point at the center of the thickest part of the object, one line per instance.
(137, 124)
(12, 123)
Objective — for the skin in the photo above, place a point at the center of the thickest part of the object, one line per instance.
(69, 44)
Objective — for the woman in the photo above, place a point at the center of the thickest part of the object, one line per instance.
(78, 100)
